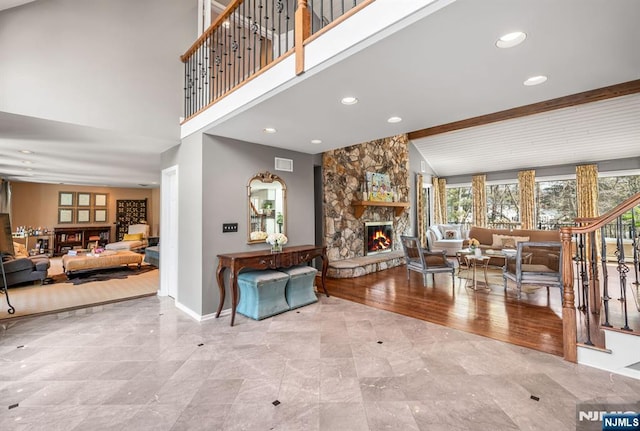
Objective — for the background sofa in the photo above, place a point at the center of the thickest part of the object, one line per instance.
(498, 239)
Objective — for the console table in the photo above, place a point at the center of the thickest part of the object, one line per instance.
(264, 259)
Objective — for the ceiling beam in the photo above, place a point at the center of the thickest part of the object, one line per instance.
(604, 93)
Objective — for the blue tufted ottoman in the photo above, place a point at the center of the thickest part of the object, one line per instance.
(299, 290)
(262, 293)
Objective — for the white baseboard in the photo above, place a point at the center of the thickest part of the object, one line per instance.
(199, 317)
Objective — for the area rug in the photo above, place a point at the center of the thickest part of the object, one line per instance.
(65, 295)
(82, 277)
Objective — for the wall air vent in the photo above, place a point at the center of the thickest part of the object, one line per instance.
(284, 164)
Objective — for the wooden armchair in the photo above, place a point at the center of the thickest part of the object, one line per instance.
(546, 274)
(424, 261)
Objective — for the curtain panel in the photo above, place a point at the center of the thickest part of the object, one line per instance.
(421, 214)
(439, 200)
(587, 207)
(479, 195)
(587, 190)
(527, 192)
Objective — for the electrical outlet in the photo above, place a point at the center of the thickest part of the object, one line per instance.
(229, 227)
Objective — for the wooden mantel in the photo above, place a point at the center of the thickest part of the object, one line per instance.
(360, 206)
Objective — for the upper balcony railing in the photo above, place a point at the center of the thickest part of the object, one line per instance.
(249, 37)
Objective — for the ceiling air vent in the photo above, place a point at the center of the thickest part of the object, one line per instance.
(284, 164)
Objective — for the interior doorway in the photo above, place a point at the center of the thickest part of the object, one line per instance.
(169, 233)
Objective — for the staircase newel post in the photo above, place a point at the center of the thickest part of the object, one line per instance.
(302, 31)
(569, 324)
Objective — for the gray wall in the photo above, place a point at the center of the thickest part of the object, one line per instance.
(227, 167)
(415, 159)
(190, 223)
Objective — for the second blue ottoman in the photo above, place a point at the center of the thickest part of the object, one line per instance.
(262, 293)
(299, 290)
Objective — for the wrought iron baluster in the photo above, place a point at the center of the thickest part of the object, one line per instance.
(584, 276)
(634, 244)
(286, 22)
(310, 6)
(605, 278)
(622, 272)
(594, 285)
(331, 11)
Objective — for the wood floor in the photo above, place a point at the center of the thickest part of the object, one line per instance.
(533, 321)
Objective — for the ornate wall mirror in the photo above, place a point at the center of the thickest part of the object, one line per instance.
(267, 207)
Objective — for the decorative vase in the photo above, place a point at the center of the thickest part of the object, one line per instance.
(478, 252)
(276, 248)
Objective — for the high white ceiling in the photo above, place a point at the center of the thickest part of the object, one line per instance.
(8, 4)
(441, 69)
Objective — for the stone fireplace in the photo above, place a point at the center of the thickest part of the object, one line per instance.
(344, 171)
(379, 237)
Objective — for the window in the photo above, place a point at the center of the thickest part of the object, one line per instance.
(613, 190)
(503, 206)
(555, 203)
(459, 205)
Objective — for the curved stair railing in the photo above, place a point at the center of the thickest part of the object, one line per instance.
(601, 270)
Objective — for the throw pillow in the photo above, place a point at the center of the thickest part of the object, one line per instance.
(498, 240)
(508, 243)
(132, 237)
(20, 250)
(451, 234)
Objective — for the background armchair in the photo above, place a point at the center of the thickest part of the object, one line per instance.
(424, 261)
(546, 273)
(137, 238)
(22, 268)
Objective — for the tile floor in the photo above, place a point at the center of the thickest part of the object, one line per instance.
(333, 365)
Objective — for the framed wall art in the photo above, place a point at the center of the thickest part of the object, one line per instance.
(99, 199)
(84, 199)
(65, 199)
(99, 216)
(65, 215)
(83, 216)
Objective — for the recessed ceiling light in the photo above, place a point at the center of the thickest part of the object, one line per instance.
(349, 100)
(535, 80)
(394, 120)
(28, 169)
(316, 141)
(27, 162)
(26, 151)
(511, 39)
(269, 130)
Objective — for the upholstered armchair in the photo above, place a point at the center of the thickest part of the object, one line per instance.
(424, 261)
(546, 273)
(136, 239)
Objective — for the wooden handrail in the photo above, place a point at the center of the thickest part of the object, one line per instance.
(209, 31)
(594, 223)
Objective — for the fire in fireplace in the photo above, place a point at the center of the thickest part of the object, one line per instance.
(379, 237)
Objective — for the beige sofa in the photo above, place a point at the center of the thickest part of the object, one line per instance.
(498, 239)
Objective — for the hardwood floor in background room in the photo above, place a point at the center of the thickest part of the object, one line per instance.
(534, 321)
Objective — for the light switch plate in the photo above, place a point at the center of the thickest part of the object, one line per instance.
(229, 227)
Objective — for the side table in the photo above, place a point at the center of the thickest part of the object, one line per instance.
(471, 261)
